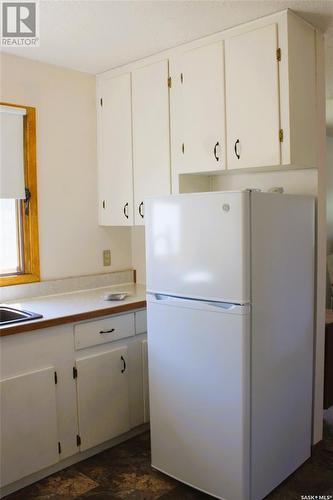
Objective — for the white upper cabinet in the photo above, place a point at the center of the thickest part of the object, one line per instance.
(151, 143)
(115, 178)
(203, 111)
(245, 98)
(298, 92)
(252, 98)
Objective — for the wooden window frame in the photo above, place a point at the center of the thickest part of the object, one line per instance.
(30, 222)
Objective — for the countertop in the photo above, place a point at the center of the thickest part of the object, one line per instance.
(75, 306)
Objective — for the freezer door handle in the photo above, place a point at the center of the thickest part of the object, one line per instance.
(183, 301)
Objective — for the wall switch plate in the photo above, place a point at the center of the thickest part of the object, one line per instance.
(106, 257)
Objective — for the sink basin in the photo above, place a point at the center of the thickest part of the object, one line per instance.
(9, 315)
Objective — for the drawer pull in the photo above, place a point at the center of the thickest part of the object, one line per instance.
(236, 149)
(141, 210)
(124, 364)
(106, 331)
(217, 158)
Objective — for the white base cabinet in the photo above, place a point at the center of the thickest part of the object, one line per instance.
(29, 428)
(59, 399)
(102, 396)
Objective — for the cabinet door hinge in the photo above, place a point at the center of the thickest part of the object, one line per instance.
(101, 101)
(55, 377)
(27, 200)
(74, 372)
(278, 54)
(59, 447)
(78, 440)
(169, 82)
(281, 135)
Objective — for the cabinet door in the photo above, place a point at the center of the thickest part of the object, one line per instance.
(29, 433)
(252, 99)
(115, 177)
(144, 347)
(203, 109)
(102, 394)
(151, 144)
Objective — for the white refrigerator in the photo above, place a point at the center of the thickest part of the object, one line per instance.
(230, 299)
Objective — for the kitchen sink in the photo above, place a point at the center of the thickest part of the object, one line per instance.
(9, 315)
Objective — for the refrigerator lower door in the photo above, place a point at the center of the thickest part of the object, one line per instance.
(199, 380)
(198, 245)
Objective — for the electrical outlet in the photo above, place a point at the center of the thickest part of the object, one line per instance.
(106, 257)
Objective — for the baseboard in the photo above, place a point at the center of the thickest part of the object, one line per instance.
(63, 464)
(317, 446)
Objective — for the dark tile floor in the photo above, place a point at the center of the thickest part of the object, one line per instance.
(124, 472)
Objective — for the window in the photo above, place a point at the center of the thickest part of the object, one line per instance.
(11, 237)
(19, 253)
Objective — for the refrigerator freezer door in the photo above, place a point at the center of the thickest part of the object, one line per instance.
(199, 378)
(197, 245)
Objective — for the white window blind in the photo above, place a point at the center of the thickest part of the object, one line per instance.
(12, 153)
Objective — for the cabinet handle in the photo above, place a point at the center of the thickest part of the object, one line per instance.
(215, 151)
(126, 210)
(236, 149)
(124, 364)
(106, 331)
(140, 209)
(103, 204)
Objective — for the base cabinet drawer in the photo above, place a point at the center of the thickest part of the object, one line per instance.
(103, 330)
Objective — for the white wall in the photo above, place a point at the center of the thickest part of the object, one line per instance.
(293, 181)
(138, 253)
(71, 242)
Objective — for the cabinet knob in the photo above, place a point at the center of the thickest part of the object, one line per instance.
(217, 158)
(126, 210)
(141, 210)
(236, 149)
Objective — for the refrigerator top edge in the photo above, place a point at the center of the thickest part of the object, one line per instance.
(199, 194)
(246, 192)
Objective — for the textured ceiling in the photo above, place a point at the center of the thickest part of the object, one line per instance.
(94, 35)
